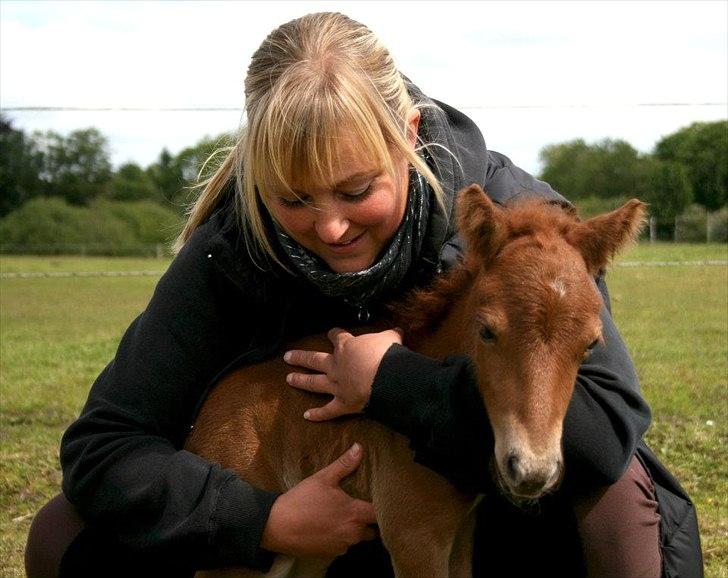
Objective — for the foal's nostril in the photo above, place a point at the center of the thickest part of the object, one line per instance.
(512, 466)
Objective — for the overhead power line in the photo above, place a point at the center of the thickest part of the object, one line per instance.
(239, 109)
(119, 109)
(602, 105)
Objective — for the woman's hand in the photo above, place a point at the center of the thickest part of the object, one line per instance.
(316, 518)
(347, 373)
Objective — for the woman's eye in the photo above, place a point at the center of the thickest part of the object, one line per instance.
(292, 203)
(360, 195)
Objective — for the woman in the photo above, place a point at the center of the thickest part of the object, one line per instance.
(337, 197)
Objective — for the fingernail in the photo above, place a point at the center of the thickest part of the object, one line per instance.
(355, 450)
(289, 378)
(307, 414)
(287, 356)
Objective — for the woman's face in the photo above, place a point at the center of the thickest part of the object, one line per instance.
(350, 223)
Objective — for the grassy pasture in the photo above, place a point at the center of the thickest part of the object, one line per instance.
(56, 334)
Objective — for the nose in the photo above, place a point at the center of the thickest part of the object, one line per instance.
(530, 478)
(331, 224)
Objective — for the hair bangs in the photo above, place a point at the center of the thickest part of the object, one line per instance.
(300, 140)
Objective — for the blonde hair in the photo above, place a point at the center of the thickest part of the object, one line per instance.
(313, 81)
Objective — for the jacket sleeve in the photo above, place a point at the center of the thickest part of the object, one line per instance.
(122, 461)
(438, 406)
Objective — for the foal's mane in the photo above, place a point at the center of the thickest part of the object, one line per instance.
(423, 310)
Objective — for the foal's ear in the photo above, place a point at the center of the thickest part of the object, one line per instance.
(477, 219)
(600, 238)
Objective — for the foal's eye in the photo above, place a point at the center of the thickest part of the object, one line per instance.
(591, 346)
(487, 334)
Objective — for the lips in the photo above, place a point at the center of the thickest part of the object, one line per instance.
(346, 246)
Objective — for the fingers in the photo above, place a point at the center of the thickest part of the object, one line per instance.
(315, 360)
(365, 512)
(335, 408)
(344, 465)
(337, 335)
(315, 382)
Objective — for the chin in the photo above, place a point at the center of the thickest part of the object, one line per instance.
(349, 265)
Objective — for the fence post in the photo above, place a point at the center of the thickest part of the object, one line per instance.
(653, 228)
(707, 226)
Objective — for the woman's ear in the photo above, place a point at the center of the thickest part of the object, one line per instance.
(413, 125)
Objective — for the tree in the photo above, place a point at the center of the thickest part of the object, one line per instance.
(131, 183)
(193, 161)
(667, 189)
(559, 162)
(76, 167)
(20, 167)
(167, 177)
(702, 148)
(617, 165)
(606, 169)
(174, 176)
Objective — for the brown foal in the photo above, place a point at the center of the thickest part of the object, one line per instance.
(523, 306)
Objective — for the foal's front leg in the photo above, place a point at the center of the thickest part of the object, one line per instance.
(419, 515)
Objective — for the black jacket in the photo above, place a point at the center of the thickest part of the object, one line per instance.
(123, 465)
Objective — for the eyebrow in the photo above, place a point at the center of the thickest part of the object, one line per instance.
(348, 181)
(356, 177)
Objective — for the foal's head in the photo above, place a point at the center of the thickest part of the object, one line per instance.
(533, 317)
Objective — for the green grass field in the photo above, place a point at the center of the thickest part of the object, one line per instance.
(56, 334)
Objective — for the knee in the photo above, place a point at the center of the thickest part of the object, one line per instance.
(619, 527)
(53, 529)
(631, 498)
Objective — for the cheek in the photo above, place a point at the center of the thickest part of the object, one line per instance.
(377, 212)
(293, 222)
(384, 211)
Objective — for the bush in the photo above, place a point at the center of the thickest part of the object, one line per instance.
(718, 226)
(152, 223)
(692, 225)
(50, 226)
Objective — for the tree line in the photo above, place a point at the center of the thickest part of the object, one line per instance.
(687, 168)
(77, 168)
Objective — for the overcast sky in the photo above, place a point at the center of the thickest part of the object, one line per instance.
(529, 73)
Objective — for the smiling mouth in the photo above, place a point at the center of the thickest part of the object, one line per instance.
(346, 244)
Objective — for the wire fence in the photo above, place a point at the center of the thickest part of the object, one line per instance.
(693, 226)
(158, 250)
(158, 273)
